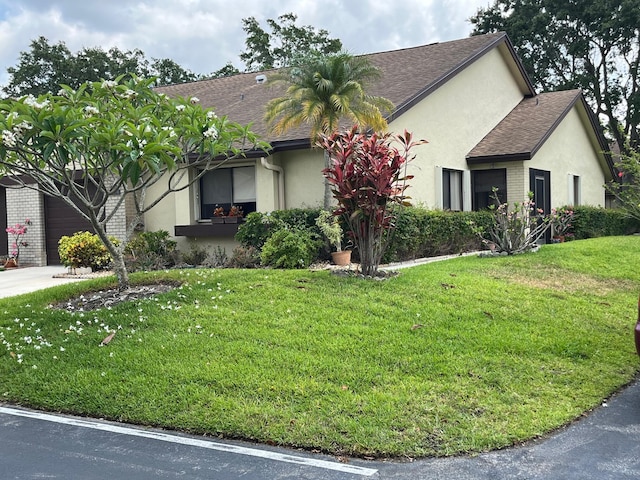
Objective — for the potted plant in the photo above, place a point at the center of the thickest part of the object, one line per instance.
(561, 223)
(18, 232)
(218, 215)
(330, 227)
(234, 215)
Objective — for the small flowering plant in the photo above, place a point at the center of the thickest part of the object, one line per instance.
(561, 219)
(218, 212)
(235, 211)
(18, 232)
(516, 228)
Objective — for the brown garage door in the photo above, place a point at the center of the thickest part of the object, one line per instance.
(4, 250)
(60, 220)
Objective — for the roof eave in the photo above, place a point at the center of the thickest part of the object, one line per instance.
(503, 38)
(507, 157)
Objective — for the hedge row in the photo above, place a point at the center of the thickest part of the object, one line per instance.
(589, 222)
(419, 232)
(426, 233)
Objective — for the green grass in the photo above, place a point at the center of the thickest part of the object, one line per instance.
(451, 357)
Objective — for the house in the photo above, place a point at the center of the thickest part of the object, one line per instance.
(470, 98)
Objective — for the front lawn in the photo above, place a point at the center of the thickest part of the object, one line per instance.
(451, 357)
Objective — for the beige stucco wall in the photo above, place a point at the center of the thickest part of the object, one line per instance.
(455, 118)
(567, 152)
(304, 183)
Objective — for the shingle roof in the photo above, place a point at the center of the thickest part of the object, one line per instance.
(408, 75)
(521, 133)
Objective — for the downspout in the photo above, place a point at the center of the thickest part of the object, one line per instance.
(280, 171)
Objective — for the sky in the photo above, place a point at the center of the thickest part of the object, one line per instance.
(204, 35)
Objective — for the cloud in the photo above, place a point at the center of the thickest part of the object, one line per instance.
(203, 35)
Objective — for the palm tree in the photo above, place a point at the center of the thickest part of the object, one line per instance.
(323, 90)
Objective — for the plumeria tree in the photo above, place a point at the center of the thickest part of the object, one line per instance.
(107, 141)
(367, 174)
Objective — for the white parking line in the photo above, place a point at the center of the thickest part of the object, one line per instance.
(253, 452)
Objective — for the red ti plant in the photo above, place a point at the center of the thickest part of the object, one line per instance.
(367, 174)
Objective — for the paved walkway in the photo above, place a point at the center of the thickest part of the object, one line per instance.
(16, 281)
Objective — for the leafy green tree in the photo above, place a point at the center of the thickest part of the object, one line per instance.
(45, 67)
(168, 72)
(286, 41)
(588, 44)
(323, 90)
(112, 140)
(226, 71)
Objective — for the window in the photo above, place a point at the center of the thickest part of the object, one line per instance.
(576, 190)
(483, 183)
(451, 189)
(223, 187)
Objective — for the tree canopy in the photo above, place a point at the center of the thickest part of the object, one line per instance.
(45, 67)
(589, 44)
(107, 141)
(284, 43)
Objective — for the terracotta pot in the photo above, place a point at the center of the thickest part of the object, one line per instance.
(11, 263)
(341, 258)
(558, 239)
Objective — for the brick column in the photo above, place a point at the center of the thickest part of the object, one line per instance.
(23, 204)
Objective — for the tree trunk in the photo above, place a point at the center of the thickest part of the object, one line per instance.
(119, 266)
(327, 187)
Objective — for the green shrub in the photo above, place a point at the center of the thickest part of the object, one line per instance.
(196, 256)
(426, 233)
(590, 222)
(84, 249)
(244, 257)
(258, 227)
(290, 248)
(151, 251)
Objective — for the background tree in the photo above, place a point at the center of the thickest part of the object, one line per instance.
(589, 44)
(226, 71)
(45, 67)
(108, 141)
(279, 48)
(323, 90)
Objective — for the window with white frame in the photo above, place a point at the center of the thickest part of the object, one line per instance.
(451, 189)
(576, 190)
(224, 187)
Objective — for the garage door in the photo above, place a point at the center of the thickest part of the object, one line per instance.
(3, 222)
(60, 220)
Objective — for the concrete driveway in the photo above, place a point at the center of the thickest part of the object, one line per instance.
(16, 281)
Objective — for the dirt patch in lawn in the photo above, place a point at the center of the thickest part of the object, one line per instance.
(564, 281)
(111, 297)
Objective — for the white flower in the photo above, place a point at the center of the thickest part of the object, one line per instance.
(91, 110)
(211, 115)
(172, 132)
(33, 102)
(129, 94)
(211, 133)
(194, 100)
(9, 138)
(109, 84)
(180, 107)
